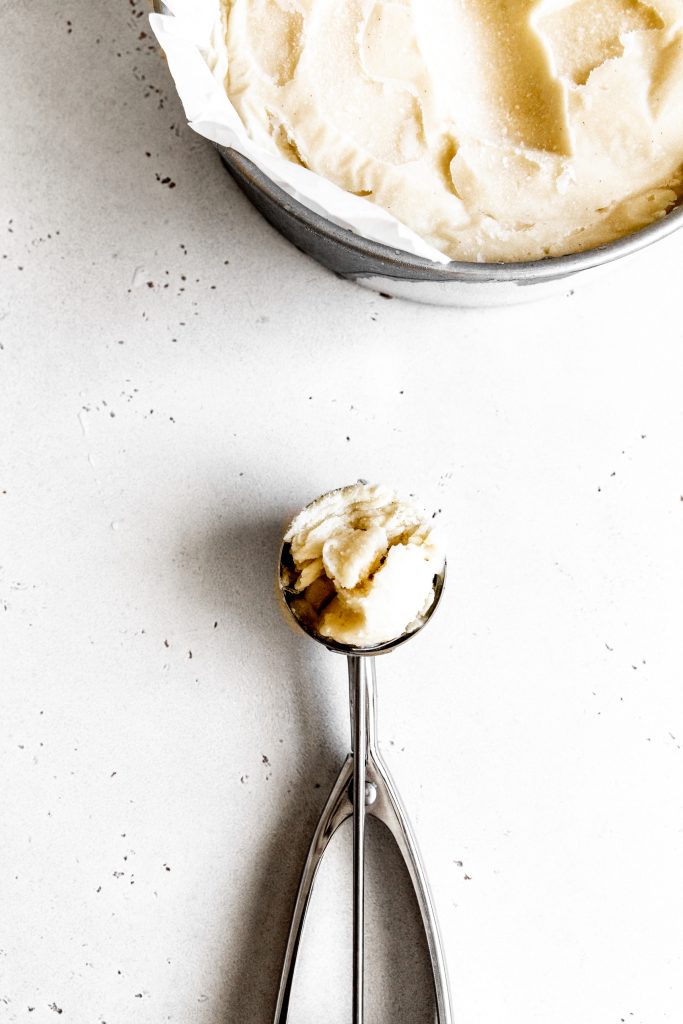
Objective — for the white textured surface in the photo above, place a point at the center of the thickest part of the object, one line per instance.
(155, 807)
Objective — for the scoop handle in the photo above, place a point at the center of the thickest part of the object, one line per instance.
(359, 699)
(381, 798)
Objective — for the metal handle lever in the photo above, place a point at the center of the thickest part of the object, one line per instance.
(381, 799)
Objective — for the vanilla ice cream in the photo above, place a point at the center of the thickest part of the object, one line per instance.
(360, 565)
(496, 131)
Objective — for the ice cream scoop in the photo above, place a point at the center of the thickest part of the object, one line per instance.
(361, 568)
(341, 544)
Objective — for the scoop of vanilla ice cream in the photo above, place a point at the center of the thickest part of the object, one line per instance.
(364, 562)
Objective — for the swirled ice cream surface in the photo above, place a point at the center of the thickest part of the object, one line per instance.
(363, 562)
(498, 130)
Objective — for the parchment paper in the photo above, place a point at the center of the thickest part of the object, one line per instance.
(192, 38)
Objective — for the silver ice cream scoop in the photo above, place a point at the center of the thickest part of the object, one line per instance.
(364, 786)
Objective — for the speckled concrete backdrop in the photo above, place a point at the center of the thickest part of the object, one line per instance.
(175, 381)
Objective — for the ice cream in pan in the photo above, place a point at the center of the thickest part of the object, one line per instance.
(361, 571)
(496, 131)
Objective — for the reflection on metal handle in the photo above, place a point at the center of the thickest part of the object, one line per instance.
(381, 799)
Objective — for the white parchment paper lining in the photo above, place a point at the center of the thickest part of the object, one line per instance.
(192, 38)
